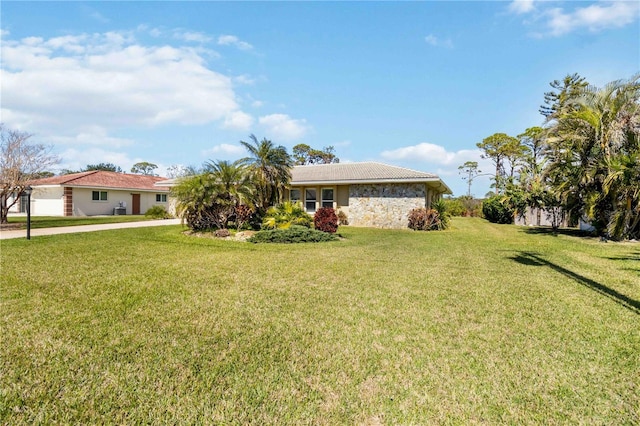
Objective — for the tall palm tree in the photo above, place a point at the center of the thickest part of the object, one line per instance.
(270, 165)
(591, 146)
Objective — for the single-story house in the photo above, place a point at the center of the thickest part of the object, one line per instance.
(94, 193)
(370, 194)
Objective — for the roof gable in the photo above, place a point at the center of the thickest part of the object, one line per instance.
(104, 179)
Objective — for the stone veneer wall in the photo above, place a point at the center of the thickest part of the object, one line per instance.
(384, 205)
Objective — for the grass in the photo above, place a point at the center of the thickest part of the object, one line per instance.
(57, 221)
(490, 324)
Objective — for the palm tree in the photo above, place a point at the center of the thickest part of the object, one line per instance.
(210, 199)
(270, 167)
(592, 145)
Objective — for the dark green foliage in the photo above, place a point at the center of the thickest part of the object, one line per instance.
(293, 234)
(157, 212)
(441, 207)
(326, 220)
(495, 211)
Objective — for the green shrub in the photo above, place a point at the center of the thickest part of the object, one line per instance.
(455, 206)
(292, 234)
(495, 211)
(285, 215)
(326, 220)
(441, 207)
(157, 212)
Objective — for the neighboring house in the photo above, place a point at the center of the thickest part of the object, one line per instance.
(95, 193)
(370, 194)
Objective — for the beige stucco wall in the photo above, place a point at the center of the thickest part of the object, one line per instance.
(385, 205)
(83, 205)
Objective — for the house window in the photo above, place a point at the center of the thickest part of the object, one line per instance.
(310, 200)
(99, 195)
(294, 195)
(327, 197)
(161, 198)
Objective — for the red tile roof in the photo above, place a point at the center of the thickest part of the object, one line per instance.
(104, 179)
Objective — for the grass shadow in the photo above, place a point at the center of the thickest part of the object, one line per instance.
(631, 256)
(534, 259)
(546, 230)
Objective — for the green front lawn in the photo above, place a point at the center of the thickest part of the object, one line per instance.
(480, 324)
(57, 221)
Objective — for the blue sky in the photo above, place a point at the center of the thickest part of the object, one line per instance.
(414, 84)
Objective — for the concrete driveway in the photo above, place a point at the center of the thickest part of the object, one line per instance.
(22, 233)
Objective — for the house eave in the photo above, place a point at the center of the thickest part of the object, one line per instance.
(107, 188)
(441, 185)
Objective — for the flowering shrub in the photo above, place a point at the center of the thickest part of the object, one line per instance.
(325, 220)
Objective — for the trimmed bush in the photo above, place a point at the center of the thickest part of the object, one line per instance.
(326, 220)
(495, 211)
(157, 212)
(293, 234)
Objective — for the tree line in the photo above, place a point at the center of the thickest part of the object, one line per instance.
(582, 163)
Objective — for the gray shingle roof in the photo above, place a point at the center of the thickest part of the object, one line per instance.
(357, 173)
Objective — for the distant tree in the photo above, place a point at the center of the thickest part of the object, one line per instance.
(107, 167)
(563, 94)
(42, 175)
(469, 171)
(178, 170)
(497, 148)
(20, 162)
(304, 154)
(144, 168)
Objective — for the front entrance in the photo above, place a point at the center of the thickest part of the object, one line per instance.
(135, 204)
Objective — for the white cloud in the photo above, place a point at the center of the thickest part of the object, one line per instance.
(191, 36)
(595, 17)
(77, 159)
(231, 40)
(437, 42)
(436, 159)
(99, 17)
(238, 120)
(431, 153)
(521, 6)
(244, 79)
(225, 150)
(281, 126)
(74, 88)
